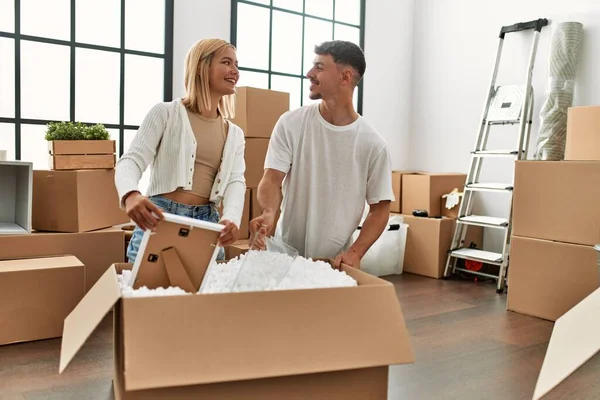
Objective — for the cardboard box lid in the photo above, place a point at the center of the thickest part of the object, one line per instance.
(575, 339)
(37, 263)
(359, 327)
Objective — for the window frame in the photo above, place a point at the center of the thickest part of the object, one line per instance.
(304, 15)
(17, 36)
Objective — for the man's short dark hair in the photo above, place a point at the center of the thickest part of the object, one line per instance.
(345, 53)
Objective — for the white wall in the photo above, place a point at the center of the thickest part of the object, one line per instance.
(195, 20)
(387, 81)
(454, 49)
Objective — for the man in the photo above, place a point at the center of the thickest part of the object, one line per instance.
(332, 161)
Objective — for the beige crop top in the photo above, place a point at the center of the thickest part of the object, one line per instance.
(210, 138)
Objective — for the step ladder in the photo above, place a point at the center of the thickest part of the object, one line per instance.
(505, 105)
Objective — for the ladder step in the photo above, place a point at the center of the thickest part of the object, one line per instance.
(478, 255)
(503, 121)
(480, 220)
(495, 153)
(489, 187)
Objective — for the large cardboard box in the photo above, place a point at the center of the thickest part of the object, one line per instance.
(423, 191)
(557, 200)
(97, 250)
(75, 201)
(16, 187)
(257, 110)
(255, 154)
(575, 340)
(396, 205)
(36, 295)
(546, 278)
(583, 134)
(217, 346)
(428, 241)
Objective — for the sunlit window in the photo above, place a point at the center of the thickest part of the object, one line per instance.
(275, 40)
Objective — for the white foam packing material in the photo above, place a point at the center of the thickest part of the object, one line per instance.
(128, 291)
(303, 274)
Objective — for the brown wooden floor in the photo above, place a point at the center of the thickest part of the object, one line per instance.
(467, 347)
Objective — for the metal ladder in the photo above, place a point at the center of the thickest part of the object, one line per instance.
(505, 105)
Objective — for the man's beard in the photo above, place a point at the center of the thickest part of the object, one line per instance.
(314, 96)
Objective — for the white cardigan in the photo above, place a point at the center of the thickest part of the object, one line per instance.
(165, 139)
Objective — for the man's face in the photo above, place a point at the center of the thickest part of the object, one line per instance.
(324, 77)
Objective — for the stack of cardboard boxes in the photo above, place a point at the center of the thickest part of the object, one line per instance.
(429, 238)
(256, 112)
(58, 240)
(556, 223)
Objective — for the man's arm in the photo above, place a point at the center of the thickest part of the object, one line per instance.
(269, 198)
(372, 228)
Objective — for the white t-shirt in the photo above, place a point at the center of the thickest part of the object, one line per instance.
(331, 171)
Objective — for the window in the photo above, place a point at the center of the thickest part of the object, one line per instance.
(275, 40)
(91, 61)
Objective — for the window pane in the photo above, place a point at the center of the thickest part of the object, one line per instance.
(97, 86)
(7, 15)
(145, 180)
(315, 32)
(320, 8)
(7, 77)
(114, 135)
(254, 79)
(253, 36)
(7, 140)
(287, 43)
(51, 19)
(144, 84)
(347, 11)
(265, 2)
(294, 5)
(343, 32)
(289, 85)
(45, 81)
(145, 25)
(98, 22)
(34, 146)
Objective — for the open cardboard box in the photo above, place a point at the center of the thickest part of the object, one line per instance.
(575, 339)
(292, 344)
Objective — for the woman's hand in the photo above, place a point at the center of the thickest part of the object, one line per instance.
(142, 211)
(230, 233)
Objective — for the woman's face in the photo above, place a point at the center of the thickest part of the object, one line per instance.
(223, 72)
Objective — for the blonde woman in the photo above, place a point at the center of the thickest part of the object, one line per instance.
(197, 154)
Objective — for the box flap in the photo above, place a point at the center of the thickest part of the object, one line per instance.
(213, 338)
(575, 339)
(90, 311)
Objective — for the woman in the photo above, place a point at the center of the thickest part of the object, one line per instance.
(197, 155)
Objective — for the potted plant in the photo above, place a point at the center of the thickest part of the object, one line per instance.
(74, 145)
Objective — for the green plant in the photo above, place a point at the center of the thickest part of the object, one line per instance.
(75, 131)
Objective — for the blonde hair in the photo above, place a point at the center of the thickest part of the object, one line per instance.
(197, 63)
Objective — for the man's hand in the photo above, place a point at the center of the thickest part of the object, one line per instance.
(142, 211)
(229, 234)
(260, 227)
(350, 258)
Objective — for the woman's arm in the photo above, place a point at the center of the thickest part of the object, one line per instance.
(235, 192)
(141, 153)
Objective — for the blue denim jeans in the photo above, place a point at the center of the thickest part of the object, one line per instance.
(204, 213)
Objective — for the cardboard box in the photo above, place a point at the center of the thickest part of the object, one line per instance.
(255, 154)
(575, 340)
(237, 249)
(428, 242)
(75, 201)
(217, 346)
(82, 154)
(16, 188)
(583, 134)
(423, 191)
(396, 205)
(546, 278)
(97, 250)
(257, 110)
(557, 200)
(36, 295)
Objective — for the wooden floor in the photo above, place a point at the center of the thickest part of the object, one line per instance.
(467, 347)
